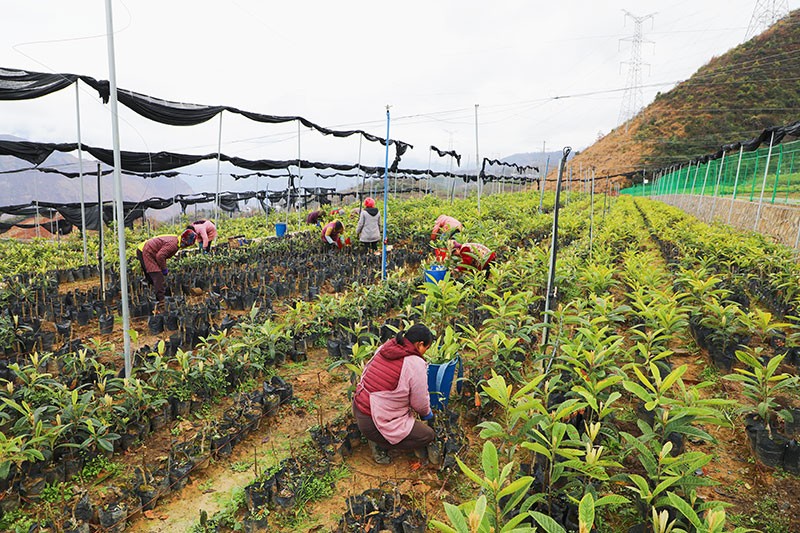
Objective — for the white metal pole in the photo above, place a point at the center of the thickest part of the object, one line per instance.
(591, 218)
(428, 186)
(217, 221)
(716, 188)
(703, 190)
(299, 170)
(478, 161)
(735, 183)
(764, 183)
(36, 202)
(80, 174)
(123, 263)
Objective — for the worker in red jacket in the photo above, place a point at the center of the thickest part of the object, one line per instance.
(473, 256)
(153, 254)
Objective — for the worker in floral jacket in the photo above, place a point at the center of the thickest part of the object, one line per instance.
(473, 256)
(392, 391)
(332, 234)
(153, 254)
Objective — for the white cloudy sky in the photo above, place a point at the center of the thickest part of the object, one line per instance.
(339, 63)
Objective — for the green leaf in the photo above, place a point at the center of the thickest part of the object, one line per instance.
(547, 523)
(489, 460)
(686, 510)
(586, 513)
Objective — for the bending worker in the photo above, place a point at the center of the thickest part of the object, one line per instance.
(153, 254)
(332, 233)
(445, 227)
(316, 217)
(473, 256)
(206, 233)
(394, 389)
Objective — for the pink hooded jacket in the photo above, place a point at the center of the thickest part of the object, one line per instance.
(393, 409)
(445, 223)
(206, 231)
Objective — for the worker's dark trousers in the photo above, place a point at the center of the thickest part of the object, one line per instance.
(156, 279)
(421, 435)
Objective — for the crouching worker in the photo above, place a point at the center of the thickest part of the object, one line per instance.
(473, 256)
(394, 389)
(153, 254)
(332, 234)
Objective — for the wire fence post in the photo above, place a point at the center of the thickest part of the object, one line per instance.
(777, 173)
(735, 183)
(763, 183)
(716, 188)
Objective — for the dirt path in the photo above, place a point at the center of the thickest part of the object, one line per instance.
(319, 394)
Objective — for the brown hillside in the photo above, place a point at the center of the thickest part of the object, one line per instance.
(732, 98)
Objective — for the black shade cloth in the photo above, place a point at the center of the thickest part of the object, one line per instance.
(23, 85)
(451, 153)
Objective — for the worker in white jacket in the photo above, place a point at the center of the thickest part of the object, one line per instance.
(368, 229)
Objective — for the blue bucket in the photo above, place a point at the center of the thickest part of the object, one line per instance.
(280, 229)
(440, 381)
(435, 273)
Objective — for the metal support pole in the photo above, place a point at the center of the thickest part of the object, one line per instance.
(705, 180)
(385, 198)
(478, 161)
(80, 175)
(764, 183)
(542, 182)
(735, 184)
(428, 185)
(551, 277)
(299, 171)
(716, 188)
(219, 179)
(591, 218)
(123, 263)
(100, 253)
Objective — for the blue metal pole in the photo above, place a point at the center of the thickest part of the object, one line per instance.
(385, 198)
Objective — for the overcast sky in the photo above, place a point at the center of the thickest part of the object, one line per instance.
(339, 63)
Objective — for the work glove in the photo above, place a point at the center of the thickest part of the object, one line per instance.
(429, 416)
(165, 271)
(347, 241)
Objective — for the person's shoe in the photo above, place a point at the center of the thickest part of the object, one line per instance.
(421, 454)
(379, 455)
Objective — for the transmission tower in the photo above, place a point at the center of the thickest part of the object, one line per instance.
(632, 98)
(765, 14)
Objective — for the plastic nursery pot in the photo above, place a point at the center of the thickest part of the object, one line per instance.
(106, 323)
(155, 324)
(112, 518)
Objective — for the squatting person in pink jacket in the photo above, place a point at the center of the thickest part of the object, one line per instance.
(392, 391)
(206, 233)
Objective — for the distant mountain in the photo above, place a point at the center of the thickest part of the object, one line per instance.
(732, 98)
(26, 186)
(536, 159)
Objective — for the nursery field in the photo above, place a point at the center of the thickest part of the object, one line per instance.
(665, 398)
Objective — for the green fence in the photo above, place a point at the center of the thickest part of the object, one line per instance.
(773, 174)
